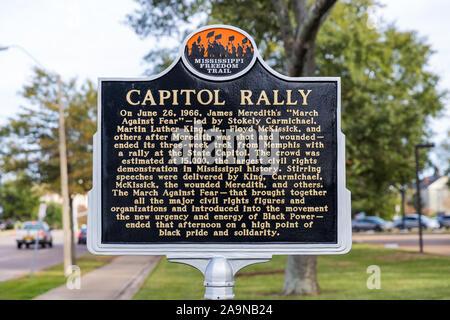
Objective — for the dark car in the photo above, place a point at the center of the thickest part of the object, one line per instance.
(82, 235)
(444, 221)
(412, 221)
(371, 223)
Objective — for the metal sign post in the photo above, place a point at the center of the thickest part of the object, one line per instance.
(219, 162)
(219, 272)
(41, 215)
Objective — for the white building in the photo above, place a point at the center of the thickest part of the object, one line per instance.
(437, 196)
(79, 204)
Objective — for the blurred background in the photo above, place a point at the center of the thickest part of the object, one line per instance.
(392, 57)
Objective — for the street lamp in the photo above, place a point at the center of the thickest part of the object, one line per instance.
(4, 48)
(403, 188)
(419, 204)
(69, 247)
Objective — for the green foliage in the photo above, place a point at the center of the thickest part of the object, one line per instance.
(163, 20)
(387, 97)
(176, 19)
(259, 19)
(387, 92)
(19, 199)
(30, 140)
(54, 215)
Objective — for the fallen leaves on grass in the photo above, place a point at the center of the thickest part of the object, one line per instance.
(403, 257)
(259, 273)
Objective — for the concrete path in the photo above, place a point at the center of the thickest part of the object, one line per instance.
(118, 280)
(432, 243)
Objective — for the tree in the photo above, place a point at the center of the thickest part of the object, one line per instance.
(387, 93)
(299, 42)
(54, 214)
(19, 198)
(29, 141)
(294, 23)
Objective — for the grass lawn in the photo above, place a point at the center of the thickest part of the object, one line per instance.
(404, 275)
(47, 279)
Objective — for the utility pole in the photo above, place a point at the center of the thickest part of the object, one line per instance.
(69, 246)
(69, 242)
(419, 204)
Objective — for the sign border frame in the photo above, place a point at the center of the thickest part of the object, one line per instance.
(205, 249)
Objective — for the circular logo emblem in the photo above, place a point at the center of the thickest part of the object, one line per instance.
(219, 52)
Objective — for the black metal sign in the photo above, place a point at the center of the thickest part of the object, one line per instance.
(219, 152)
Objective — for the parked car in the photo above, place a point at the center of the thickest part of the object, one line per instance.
(10, 224)
(412, 221)
(32, 229)
(82, 235)
(371, 223)
(444, 221)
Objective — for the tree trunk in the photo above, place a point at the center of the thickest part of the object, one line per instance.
(301, 276)
(301, 271)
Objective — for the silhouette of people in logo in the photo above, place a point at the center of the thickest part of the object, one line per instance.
(197, 49)
(215, 48)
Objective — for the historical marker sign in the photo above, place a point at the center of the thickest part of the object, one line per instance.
(219, 153)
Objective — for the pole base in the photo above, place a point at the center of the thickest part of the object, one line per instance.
(219, 272)
(219, 279)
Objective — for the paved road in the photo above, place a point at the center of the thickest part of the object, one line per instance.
(432, 243)
(15, 263)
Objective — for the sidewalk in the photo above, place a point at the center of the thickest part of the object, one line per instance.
(118, 280)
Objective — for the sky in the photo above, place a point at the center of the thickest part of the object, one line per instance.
(89, 39)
